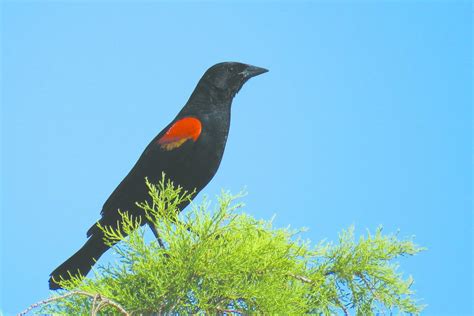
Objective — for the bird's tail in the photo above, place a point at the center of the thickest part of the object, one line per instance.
(80, 262)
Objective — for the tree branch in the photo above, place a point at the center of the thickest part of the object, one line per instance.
(97, 298)
(301, 278)
(341, 305)
(229, 311)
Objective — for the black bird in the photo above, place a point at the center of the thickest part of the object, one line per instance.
(188, 150)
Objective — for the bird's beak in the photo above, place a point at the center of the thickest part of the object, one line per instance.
(252, 71)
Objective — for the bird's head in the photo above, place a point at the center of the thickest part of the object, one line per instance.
(227, 78)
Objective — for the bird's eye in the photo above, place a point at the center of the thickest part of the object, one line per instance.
(231, 69)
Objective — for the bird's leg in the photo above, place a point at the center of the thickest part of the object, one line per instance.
(157, 236)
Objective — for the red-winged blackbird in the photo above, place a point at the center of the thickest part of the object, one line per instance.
(188, 150)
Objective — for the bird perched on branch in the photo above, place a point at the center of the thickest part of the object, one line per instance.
(188, 150)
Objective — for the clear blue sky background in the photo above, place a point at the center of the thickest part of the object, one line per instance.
(364, 118)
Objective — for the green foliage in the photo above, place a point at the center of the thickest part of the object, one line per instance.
(228, 262)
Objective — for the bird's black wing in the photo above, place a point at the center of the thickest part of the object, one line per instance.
(156, 158)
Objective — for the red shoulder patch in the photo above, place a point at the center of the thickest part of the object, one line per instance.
(181, 131)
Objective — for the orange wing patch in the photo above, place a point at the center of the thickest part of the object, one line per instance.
(181, 131)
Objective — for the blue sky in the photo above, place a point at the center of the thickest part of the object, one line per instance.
(364, 119)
